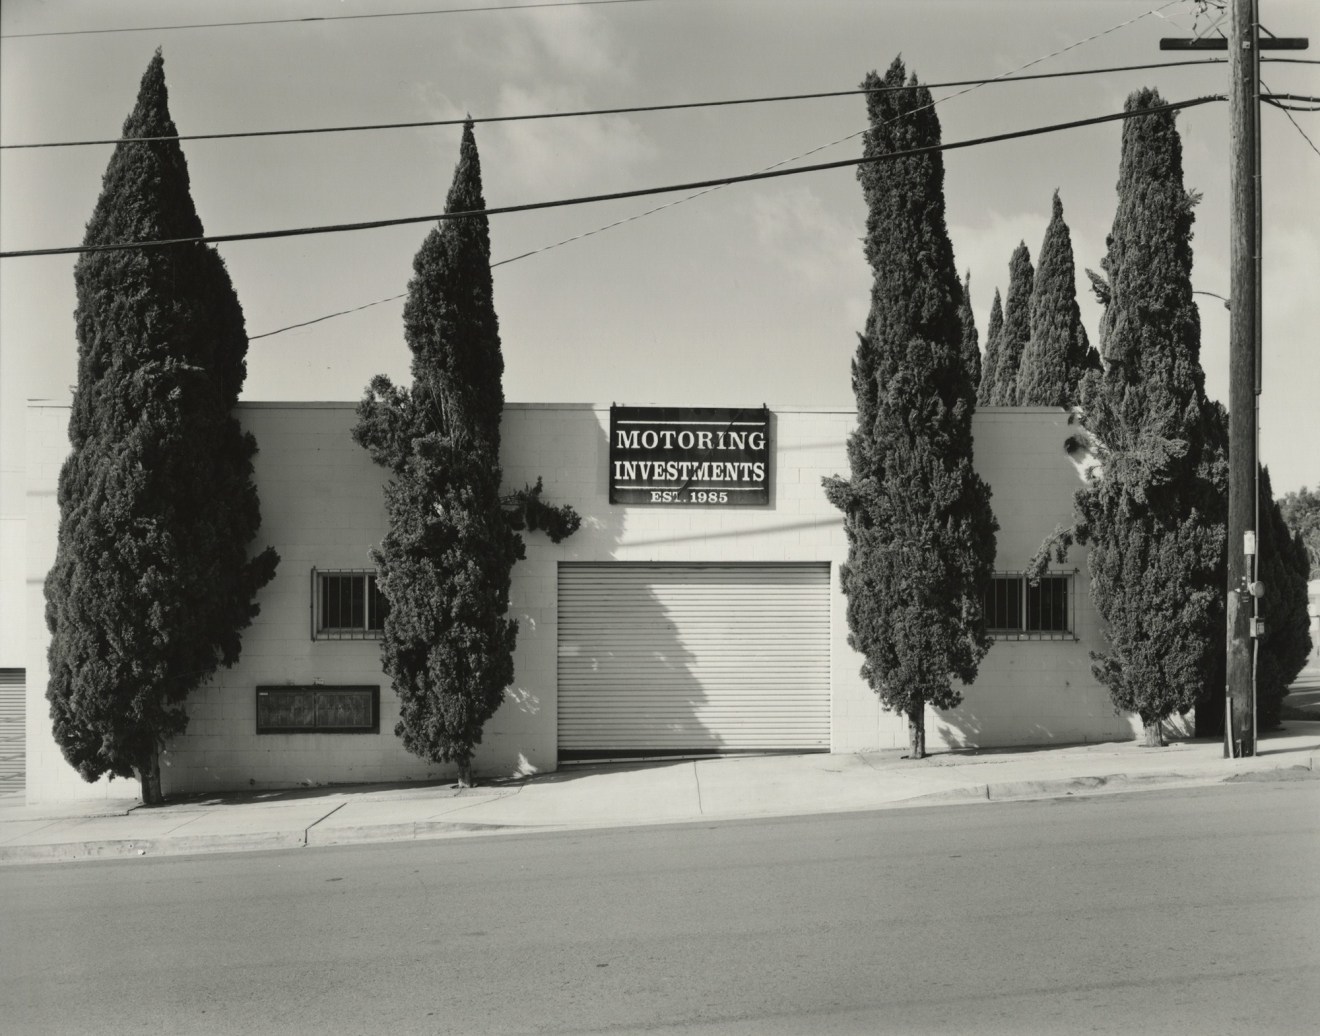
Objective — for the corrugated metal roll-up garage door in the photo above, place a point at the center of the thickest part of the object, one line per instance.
(677, 659)
(13, 707)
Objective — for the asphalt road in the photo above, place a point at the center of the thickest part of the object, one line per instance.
(1164, 912)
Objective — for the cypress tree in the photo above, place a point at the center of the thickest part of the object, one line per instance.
(152, 583)
(445, 563)
(971, 346)
(1058, 352)
(920, 530)
(1154, 512)
(1301, 510)
(1017, 326)
(994, 333)
(1284, 568)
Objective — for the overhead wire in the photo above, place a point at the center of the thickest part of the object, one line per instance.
(636, 109)
(500, 210)
(1272, 98)
(320, 18)
(1288, 110)
(679, 201)
(816, 150)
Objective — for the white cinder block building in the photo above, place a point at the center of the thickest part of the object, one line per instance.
(681, 628)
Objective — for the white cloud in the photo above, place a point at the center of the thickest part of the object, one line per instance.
(794, 228)
(820, 250)
(985, 249)
(578, 42)
(537, 65)
(549, 158)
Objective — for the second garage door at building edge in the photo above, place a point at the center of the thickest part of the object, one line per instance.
(691, 658)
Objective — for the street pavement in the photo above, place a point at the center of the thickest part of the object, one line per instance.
(631, 794)
(1171, 912)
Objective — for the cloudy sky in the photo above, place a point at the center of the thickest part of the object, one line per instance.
(745, 294)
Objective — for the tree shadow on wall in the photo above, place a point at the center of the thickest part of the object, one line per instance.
(968, 728)
(629, 687)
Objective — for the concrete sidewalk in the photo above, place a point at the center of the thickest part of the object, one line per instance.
(630, 794)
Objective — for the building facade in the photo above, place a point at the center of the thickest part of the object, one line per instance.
(658, 628)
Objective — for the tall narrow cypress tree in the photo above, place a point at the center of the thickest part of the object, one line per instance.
(152, 583)
(1058, 352)
(921, 541)
(446, 561)
(1154, 511)
(994, 334)
(971, 346)
(1017, 326)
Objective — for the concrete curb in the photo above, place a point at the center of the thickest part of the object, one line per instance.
(316, 835)
(126, 849)
(413, 831)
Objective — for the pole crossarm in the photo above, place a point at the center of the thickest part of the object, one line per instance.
(1219, 43)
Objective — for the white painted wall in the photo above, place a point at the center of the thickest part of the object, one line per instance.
(322, 506)
(13, 600)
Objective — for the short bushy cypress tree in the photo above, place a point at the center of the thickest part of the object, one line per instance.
(971, 345)
(1017, 326)
(1284, 568)
(152, 583)
(1057, 353)
(920, 531)
(446, 561)
(1301, 510)
(1154, 511)
(994, 333)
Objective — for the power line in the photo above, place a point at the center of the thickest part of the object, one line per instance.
(619, 111)
(691, 197)
(1285, 109)
(331, 316)
(324, 18)
(1308, 103)
(616, 195)
(1003, 76)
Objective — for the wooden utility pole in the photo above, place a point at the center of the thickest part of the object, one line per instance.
(1243, 383)
(1245, 627)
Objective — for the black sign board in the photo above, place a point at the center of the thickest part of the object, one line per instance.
(318, 710)
(685, 455)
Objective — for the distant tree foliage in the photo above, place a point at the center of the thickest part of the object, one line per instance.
(1154, 511)
(994, 333)
(1057, 353)
(971, 346)
(921, 535)
(1301, 510)
(1284, 570)
(152, 584)
(1017, 326)
(446, 561)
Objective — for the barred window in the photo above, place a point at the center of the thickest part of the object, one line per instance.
(1015, 609)
(347, 605)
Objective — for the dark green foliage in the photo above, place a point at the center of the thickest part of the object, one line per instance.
(152, 583)
(1154, 515)
(1017, 327)
(445, 564)
(526, 510)
(1301, 510)
(1284, 569)
(971, 346)
(994, 334)
(920, 531)
(1057, 353)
